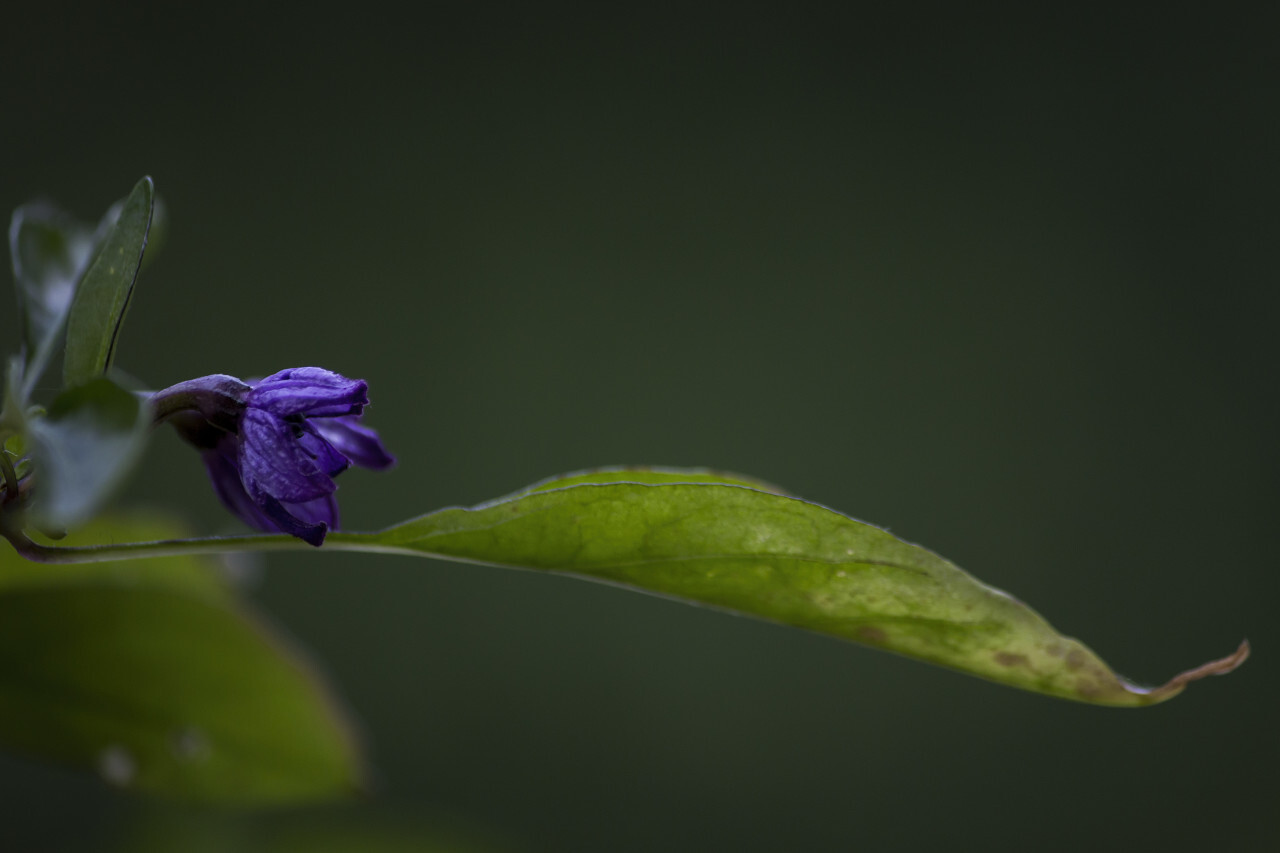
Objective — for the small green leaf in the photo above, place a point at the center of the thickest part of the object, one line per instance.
(102, 299)
(90, 438)
(711, 541)
(151, 674)
(50, 251)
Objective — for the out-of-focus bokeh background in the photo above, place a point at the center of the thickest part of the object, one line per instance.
(1002, 282)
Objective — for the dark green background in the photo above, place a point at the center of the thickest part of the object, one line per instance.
(1002, 282)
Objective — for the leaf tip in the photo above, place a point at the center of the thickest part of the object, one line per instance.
(1221, 666)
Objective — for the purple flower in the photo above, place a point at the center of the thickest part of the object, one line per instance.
(273, 447)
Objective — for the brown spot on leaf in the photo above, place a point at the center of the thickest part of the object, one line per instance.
(1010, 659)
(1076, 659)
(1088, 689)
(871, 634)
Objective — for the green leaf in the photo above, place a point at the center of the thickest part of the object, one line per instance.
(713, 542)
(51, 251)
(644, 474)
(102, 299)
(151, 674)
(90, 438)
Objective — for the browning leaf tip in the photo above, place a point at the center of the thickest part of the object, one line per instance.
(1221, 666)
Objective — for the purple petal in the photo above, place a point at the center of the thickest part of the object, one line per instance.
(274, 461)
(326, 456)
(310, 391)
(224, 473)
(310, 520)
(356, 442)
(319, 511)
(311, 532)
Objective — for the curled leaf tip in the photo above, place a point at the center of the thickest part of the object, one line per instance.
(1175, 685)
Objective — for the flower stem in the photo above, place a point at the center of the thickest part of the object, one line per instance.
(219, 399)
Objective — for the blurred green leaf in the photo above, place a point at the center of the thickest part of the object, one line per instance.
(364, 829)
(710, 541)
(152, 675)
(51, 251)
(90, 438)
(101, 301)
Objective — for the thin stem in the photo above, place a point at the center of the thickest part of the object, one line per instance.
(161, 548)
(53, 554)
